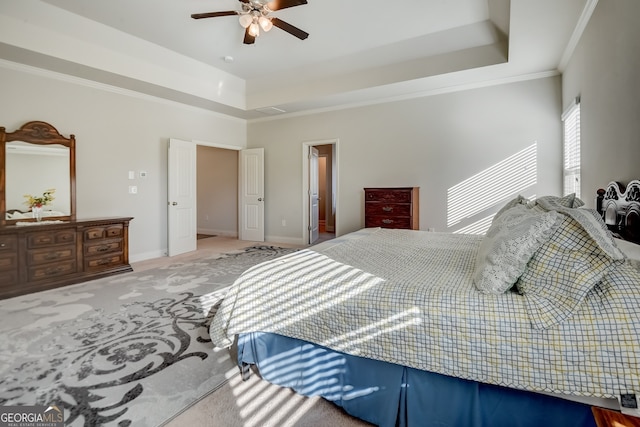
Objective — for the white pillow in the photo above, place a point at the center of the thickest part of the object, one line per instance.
(508, 246)
(631, 251)
(518, 200)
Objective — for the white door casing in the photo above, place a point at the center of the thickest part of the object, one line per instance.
(314, 207)
(182, 214)
(251, 197)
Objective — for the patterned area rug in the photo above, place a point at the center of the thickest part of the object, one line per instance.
(128, 350)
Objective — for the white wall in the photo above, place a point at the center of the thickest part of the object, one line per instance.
(433, 142)
(115, 133)
(605, 72)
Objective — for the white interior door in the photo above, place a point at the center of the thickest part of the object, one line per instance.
(314, 195)
(251, 197)
(182, 214)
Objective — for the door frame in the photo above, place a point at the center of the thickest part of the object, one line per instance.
(306, 146)
(313, 194)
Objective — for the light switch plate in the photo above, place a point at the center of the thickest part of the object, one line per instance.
(132, 174)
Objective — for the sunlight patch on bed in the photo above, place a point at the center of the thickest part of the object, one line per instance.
(408, 318)
(308, 272)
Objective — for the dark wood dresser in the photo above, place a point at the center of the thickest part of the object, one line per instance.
(49, 255)
(392, 207)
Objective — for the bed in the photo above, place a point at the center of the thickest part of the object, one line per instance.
(529, 325)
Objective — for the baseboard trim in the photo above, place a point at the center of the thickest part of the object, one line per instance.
(287, 240)
(147, 255)
(223, 233)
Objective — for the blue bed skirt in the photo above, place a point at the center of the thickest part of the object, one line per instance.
(390, 395)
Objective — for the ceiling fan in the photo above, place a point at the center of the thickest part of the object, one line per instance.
(255, 14)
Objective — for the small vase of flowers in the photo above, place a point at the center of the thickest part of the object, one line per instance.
(37, 203)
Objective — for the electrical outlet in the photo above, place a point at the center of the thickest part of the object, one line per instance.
(284, 222)
(133, 189)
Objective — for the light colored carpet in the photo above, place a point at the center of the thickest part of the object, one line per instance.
(257, 403)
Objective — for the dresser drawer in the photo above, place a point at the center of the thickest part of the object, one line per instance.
(8, 244)
(53, 254)
(387, 209)
(103, 232)
(55, 269)
(8, 261)
(388, 222)
(8, 253)
(102, 247)
(48, 238)
(399, 196)
(104, 262)
(8, 278)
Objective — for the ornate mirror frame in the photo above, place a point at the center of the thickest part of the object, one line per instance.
(40, 133)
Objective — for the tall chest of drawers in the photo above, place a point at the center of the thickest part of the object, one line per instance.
(396, 207)
(50, 255)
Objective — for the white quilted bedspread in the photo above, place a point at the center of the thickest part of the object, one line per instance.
(388, 295)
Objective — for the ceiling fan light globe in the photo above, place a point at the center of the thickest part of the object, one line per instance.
(245, 20)
(254, 30)
(265, 23)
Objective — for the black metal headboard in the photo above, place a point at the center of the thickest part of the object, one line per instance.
(620, 209)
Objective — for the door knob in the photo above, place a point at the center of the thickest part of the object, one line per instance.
(260, 199)
(174, 204)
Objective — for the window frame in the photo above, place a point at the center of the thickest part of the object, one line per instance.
(571, 162)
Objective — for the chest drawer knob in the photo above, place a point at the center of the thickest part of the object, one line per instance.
(387, 221)
(387, 208)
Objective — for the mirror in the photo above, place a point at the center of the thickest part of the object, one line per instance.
(39, 162)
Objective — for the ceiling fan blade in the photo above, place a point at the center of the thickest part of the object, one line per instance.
(248, 38)
(213, 14)
(283, 4)
(294, 31)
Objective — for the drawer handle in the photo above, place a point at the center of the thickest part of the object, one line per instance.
(104, 262)
(2, 245)
(103, 248)
(52, 255)
(387, 221)
(387, 208)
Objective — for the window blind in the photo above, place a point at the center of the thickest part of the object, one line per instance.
(571, 124)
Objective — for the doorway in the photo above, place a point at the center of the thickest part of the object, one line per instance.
(217, 192)
(320, 172)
